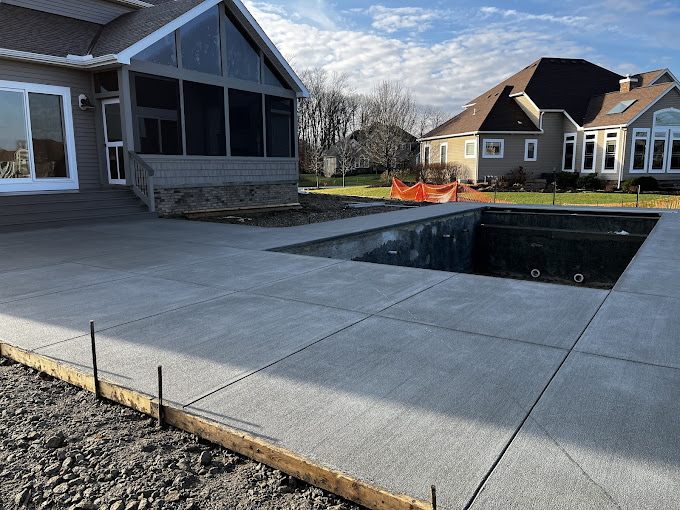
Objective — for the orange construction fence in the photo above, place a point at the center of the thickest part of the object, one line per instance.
(454, 192)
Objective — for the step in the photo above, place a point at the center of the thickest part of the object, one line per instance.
(69, 214)
(53, 198)
(85, 205)
(76, 222)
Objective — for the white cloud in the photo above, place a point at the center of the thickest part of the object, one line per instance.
(393, 19)
(525, 16)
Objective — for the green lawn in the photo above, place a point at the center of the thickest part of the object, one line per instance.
(517, 197)
(309, 180)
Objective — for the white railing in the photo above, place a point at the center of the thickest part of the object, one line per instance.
(142, 180)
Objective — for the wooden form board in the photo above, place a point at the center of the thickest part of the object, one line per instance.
(251, 447)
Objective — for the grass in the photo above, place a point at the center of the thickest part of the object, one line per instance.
(309, 180)
(517, 197)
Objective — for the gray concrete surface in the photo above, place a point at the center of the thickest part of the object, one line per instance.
(399, 377)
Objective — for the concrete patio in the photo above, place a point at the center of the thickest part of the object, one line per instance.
(502, 393)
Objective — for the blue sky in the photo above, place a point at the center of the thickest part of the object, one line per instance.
(450, 52)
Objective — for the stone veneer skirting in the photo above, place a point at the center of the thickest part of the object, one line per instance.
(175, 201)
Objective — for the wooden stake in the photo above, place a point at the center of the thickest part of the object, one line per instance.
(433, 492)
(160, 396)
(94, 362)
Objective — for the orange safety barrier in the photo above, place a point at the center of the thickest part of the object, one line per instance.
(454, 192)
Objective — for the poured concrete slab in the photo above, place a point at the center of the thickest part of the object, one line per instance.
(205, 347)
(604, 435)
(51, 318)
(53, 278)
(358, 286)
(402, 406)
(637, 327)
(651, 275)
(245, 270)
(528, 311)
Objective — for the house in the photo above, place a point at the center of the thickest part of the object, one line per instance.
(567, 115)
(352, 152)
(186, 102)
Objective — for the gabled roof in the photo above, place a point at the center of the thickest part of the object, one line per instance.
(551, 83)
(59, 40)
(598, 108)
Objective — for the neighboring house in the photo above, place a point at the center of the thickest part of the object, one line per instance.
(96, 93)
(567, 115)
(354, 153)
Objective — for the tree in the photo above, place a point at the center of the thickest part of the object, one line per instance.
(389, 117)
(429, 117)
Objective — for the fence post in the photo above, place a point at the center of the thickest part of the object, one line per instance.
(554, 188)
(95, 371)
(637, 201)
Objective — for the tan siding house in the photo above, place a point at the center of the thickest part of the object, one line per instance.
(568, 115)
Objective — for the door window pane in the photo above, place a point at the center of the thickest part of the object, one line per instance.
(204, 118)
(114, 131)
(280, 140)
(640, 154)
(47, 126)
(243, 58)
(158, 115)
(163, 52)
(200, 42)
(245, 123)
(658, 154)
(14, 162)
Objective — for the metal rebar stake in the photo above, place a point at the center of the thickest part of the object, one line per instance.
(637, 202)
(433, 493)
(160, 396)
(94, 361)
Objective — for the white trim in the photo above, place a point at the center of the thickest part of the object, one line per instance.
(600, 128)
(109, 144)
(50, 184)
(444, 146)
(645, 168)
(616, 151)
(427, 154)
(583, 153)
(37, 58)
(665, 71)
(493, 140)
(526, 149)
(564, 151)
(472, 142)
(475, 133)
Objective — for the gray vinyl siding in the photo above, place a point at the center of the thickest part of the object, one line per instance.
(180, 172)
(89, 175)
(646, 121)
(95, 11)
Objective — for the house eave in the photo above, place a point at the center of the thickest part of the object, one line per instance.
(475, 133)
(71, 61)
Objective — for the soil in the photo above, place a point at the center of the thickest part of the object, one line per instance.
(62, 448)
(316, 208)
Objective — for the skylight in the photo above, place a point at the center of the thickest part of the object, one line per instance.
(621, 107)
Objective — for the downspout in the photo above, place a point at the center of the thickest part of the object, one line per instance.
(622, 155)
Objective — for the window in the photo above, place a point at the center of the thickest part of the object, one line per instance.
(611, 149)
(163, 52)
(443, 152)
(280, 129)
(426, 157)
(106, 82)
(470, 149)
(271, 77)
(669, 117)
(200, 43)
(659, 151)
(245, 123)
(243, 58)
(204, 120)
(493, 148)
(569, 152)
(621, 107)
(158, 115)
(36, 138)
(675, 152)
(589, 152)
(530, 150)
(357, 163)
(640, 150)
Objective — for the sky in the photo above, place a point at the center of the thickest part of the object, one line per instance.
(450, 52)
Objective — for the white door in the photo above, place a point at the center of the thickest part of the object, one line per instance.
(113, 137)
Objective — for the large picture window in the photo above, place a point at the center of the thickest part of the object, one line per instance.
(158, 115)
(200, 43)
(245, 123)
(493, 148)
(36, 138)
(589, 154)
(204, 120)
(163, 52)
(280, 128)
(243, 58)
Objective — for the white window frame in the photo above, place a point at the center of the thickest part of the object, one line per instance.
(653, 138)
(526, 149)
(473, 143)
(583, 155)
(493, 140)
(564, 151)
(616, 151)
(427, 155)
(646, 132)
(674, 135)
(51, 184)
(444, 147)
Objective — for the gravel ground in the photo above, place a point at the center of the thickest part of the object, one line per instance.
(61, 448)
(316, 208)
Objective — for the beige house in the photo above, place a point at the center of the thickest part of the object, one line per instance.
(566, 115)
